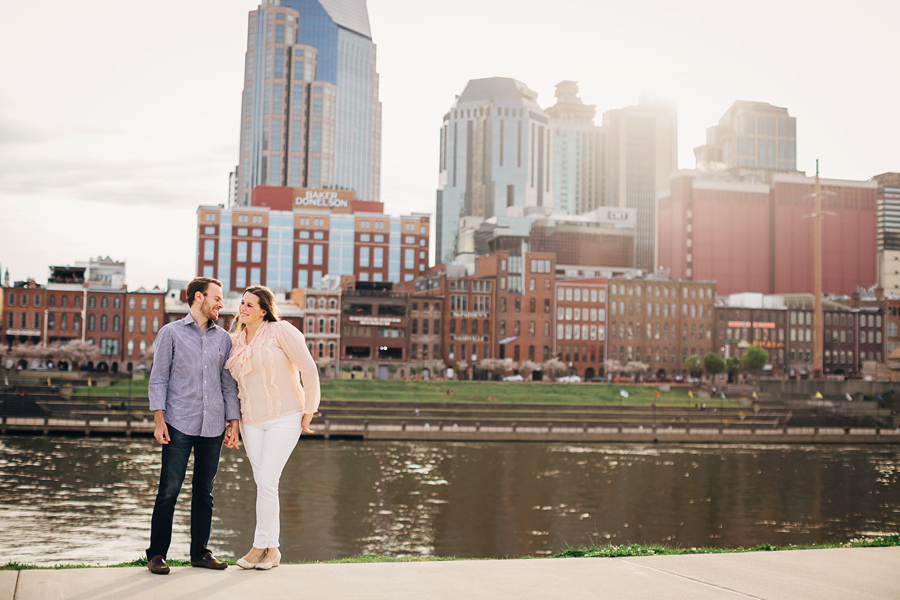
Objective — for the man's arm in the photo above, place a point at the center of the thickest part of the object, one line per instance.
(158, 387)
(232, 404)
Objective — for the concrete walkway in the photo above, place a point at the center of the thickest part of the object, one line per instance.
(839, 574)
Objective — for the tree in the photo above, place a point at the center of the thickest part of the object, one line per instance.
(554, 367)
(27, 352)
(614, 367)
(694, 365)
(733, 366)
(77, 352)
(461, 368)
(635, 367)
(528, 367)
(438, 368)
(713, 363)
(755, 359)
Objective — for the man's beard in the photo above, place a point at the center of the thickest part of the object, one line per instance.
(206, 311)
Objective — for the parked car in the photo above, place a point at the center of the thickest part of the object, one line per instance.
(513, 378)
(651, 380)
(622, 380)
(569, 379)
(598, 379)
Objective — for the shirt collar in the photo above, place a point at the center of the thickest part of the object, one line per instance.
(189, 319)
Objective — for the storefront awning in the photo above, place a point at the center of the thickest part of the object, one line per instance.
(508, 340)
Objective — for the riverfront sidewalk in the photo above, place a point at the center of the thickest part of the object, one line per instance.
(839, 574)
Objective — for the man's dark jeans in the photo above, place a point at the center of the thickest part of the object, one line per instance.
(175, 456)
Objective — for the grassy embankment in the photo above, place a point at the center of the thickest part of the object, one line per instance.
(594, 552)
(463, 392)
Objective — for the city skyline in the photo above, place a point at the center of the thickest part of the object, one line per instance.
(135, 142)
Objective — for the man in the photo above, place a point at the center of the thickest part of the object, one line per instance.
(192, 396)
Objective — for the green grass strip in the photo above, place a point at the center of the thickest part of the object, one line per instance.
(456, 392)
(624, 550)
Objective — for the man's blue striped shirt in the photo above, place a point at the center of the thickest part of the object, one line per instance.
(189, 379)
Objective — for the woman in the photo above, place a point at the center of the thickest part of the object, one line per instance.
(266, 356)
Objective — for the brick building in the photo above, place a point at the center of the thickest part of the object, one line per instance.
(659, 321)
(525, 287)
(745, 320)
(322, 325)
(580, 340)
(426, 331)
(144, 316)
(289, 238)
(749, 232)
(375, 329)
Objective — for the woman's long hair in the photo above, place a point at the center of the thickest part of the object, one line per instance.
(266, 302)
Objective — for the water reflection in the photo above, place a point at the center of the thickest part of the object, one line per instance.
(89, 500)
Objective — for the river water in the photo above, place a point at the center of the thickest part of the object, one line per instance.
(71, 500)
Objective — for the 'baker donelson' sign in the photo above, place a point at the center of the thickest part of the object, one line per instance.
(336, 200)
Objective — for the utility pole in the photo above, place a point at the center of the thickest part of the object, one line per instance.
(818, 323)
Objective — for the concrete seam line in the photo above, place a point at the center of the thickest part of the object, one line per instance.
(700, 581)
(16, 585)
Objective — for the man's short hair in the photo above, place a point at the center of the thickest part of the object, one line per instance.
(199, 284)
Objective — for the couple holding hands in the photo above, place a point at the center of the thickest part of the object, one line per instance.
(209, 388)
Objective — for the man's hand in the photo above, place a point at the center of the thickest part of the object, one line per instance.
(304, 423)
(232, 434)
(161, 432)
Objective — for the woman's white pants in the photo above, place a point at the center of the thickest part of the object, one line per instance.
(269, 445)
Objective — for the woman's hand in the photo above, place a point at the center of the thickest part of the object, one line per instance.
(304, 423)
(232, 434)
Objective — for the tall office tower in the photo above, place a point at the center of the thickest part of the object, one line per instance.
(495, 157)
(310, 114)
(888, 235)
(577, 152)
(640, 153)
(750, 134)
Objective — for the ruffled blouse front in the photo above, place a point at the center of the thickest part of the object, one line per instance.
(268, 371)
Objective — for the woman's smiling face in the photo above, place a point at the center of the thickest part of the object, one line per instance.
(250, 311)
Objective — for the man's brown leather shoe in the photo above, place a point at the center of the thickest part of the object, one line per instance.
(158, 565)
(208, 561)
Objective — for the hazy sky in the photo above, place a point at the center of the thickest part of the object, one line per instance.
(117, 119)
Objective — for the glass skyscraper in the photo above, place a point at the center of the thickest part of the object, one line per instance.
(640, 154)
(495, 157)
(310, 112)
(577, 152)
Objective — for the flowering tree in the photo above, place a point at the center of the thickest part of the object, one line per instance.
(554, 367)
(76, 352)
(636, 367)
(27, 352)
(461, 368)
(614, 367)
(528, 367)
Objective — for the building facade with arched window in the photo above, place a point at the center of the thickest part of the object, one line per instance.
(321, 326)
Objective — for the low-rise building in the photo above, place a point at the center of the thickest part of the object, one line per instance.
(751, 319)
(580, 340)
(374, 329)
(144, 316)
(659, 321)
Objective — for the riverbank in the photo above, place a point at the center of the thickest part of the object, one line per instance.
(837, 574)
(629, 433)
(612, 551)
